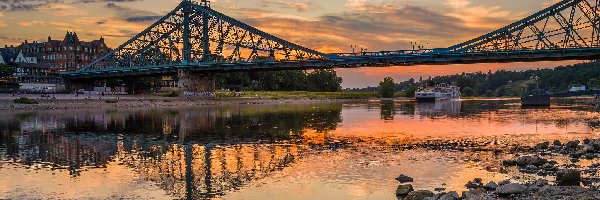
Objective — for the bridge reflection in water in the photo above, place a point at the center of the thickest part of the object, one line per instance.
(193, 154)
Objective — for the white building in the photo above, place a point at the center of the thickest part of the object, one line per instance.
(21, 58)
(577, 88)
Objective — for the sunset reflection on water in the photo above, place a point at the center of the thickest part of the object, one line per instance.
(307, 151)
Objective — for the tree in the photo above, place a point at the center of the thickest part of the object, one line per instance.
(594, 84)
(324, 80)
(468, 92)
(410, 91)
(6, 73)
(464, 82)
(387, 88)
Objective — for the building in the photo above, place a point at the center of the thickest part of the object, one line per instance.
(577, 88)
(67, 54)
(71, 53)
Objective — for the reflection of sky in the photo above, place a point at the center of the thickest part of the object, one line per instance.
(142, 164)
(328, 26)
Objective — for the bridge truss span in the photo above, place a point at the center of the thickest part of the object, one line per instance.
(195, 34)
(195, 38)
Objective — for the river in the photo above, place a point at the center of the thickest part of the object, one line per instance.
(291, 151)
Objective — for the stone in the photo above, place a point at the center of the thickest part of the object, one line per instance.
(504, 182)
(404, 190)
(541, 182)
(530, 160)
(596, 145)
(568, 177)
(419, 195)
(404, 179)
(586, 149)
(473, 185)
(471, 194)
(557, 143)
(449, 196)
(511, 189)
(572, 144)
(491, 186)
(542, 146)
(509, 162)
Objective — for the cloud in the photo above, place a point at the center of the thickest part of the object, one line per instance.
(133, 15)
(31, 23)
(298, 6)
(383, 27)
(479, 16)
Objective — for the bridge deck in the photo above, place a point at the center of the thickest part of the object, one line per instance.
(383, 59)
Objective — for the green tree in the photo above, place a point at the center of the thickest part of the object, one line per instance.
(6, 73)
(410, 91)
(324, 80)
(594, 84)
(387, 88)
(464, 82)
(469, 92)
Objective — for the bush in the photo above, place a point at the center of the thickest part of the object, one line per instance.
(25, 100)
(112, 101)
(172, 94)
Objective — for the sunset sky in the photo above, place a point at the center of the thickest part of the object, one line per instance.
(326, 25)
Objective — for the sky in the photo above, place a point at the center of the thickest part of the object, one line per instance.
(328, 26)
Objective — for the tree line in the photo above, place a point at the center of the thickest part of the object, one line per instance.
(322, 80)
(502, 82)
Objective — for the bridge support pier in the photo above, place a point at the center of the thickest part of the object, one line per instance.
(196, 84)
(75, 85)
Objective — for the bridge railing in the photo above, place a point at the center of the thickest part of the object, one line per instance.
(384, 53)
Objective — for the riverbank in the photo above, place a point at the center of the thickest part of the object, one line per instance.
(73, 101)
(70, 101)
(575, 177)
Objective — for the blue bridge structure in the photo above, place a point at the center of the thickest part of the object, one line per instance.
(195, 42)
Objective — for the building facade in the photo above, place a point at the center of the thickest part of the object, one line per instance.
(67, 54)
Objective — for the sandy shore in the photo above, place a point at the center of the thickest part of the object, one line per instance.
(70, 101)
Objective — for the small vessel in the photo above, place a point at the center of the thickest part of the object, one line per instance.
(437, 92)
(537, 99)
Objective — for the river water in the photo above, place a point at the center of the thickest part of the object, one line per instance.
(304, 151)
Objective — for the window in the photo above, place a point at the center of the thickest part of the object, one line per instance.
(65, 48)
(71, 48)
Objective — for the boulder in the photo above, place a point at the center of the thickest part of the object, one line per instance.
(419, 195)
(542, 146)
(491, 186)
(568, 177)
(449, 196)
(509, 162)
(510, 189)
(404, 178)
(557, 143)
(473, 194)
(504, 182)
(404, 190)
(530, 160)
(572, 144)
(541, 182)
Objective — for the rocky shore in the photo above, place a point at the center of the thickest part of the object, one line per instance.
(558, 179)
(145, 102)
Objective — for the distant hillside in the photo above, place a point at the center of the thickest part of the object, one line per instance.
(515, 83)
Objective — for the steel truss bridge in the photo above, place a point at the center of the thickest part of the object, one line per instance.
(196, 38)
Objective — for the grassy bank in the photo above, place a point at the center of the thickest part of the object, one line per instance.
(298, 95)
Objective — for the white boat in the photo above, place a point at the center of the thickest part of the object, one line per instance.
(439, 92)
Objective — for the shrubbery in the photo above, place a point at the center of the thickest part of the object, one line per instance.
(25, 100)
